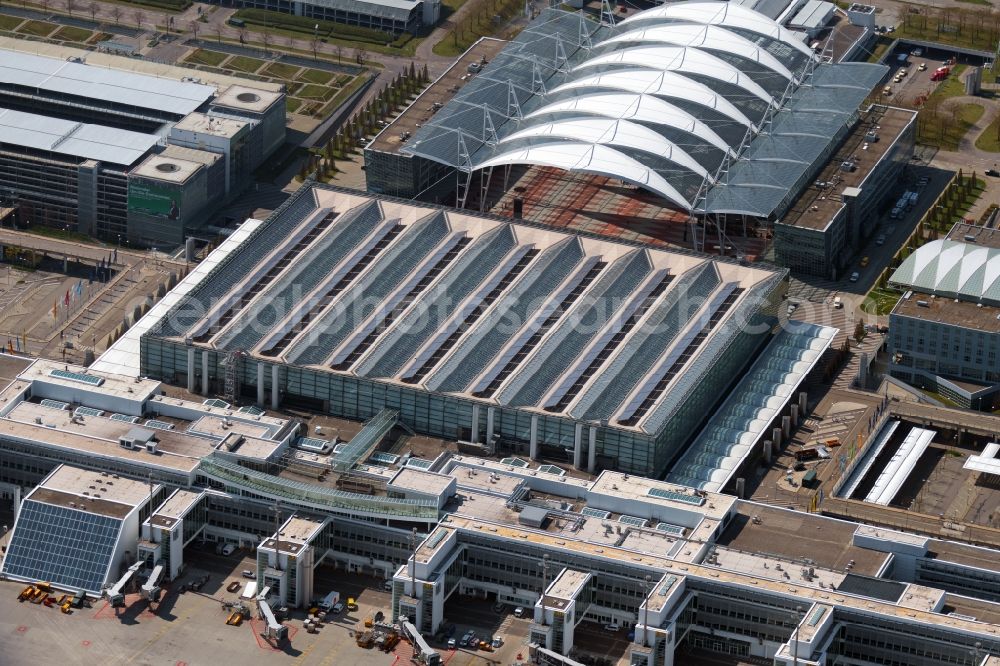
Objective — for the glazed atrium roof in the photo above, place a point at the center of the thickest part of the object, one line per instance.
(710, 105)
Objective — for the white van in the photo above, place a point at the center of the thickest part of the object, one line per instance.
(837, 303)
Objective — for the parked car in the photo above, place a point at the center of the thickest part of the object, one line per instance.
(855, 276)
(880, 240)
(228, 549)
(518, 612)
(497, 642)
(452, 643)
(864, 261)
(922, 67)
(387, 586)
(247, 573)
(337, 609)
(612, 626)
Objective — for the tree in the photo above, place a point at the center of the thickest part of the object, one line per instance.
(339, 50)
(139, 18)
(243, 35)
(92, 8)
(265, 38)
(194, 28)
(315, 48)
(70, 6)
(859, 332)
(426, 77)
(361, 55)
(218, 32)
(116, 13)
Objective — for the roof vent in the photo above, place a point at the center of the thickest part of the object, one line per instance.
(969, 238)
(923, 304)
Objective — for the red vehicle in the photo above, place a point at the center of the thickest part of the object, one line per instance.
(940, 73)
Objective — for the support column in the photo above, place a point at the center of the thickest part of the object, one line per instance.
(803, 402)
(275, 381)
(191, 377)
(786, 426)
(767, 451)
(592, 450)
(260, 384)
(204, 373)
(490, 415)
(578, 446)
(533, 445)
(475, 424)
(795, 416)
(776, 438)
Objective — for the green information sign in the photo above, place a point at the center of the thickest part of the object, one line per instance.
(154, 199)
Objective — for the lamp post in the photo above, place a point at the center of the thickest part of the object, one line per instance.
(975, 652)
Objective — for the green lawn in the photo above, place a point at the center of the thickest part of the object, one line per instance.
(39, 28)
(72, 34)
(955, 29)
(205, 57)
(478, 23)
(9, 22)
(989, 140)
(952, 86)
(313, 92)
(947, 130)
(245, 64)
(281, 71)
(986, 3)
(346, 92)
(880, 301)
(316, 76)
(292, 104)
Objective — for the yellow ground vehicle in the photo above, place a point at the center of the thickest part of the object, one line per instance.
(44, 587)
(26, 593)
(485, 647)
(364, 639)
(352, 605)
(66, 607)
(368, 621)
(236, 619)
(864, 261)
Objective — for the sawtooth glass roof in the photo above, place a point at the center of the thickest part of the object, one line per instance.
(954, 269)
(450, 302)
(705, 76)
(740, 423)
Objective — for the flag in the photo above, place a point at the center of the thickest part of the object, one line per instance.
(66, 300)
(79, 288)
(18, 341)
(10, 346)
(55, 308)
(115, 259)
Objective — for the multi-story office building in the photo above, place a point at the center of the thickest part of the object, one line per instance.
(127, 156)
(945, 330)
(126, 473)
(390, 16)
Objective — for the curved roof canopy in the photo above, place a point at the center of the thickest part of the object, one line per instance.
(640, 108)
(727, 14)
(708, 37)
(666, 96)
(689, 60)
(619, 134)
(659, 84)
(591, 158)
(952, 268)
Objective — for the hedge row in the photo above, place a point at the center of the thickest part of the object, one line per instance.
(308, 25)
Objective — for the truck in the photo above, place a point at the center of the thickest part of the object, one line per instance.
(903, 60)
(329, 601)
(941, 73)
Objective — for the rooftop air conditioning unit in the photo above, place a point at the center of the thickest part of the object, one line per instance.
(923, 304)
(152, 446)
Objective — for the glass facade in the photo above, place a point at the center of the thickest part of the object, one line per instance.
(78, 559)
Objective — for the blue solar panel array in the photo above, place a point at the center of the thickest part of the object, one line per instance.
(87, 411)
(77, 558)
(54, 404)
(90, 380)
(159, 425)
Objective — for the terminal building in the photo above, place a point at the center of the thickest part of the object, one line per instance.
(127, 156)
(945, 330)
(727, 120)
(147, 473)
(510, 336)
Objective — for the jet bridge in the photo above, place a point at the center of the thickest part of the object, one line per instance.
(116, 593)
(151, 588)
